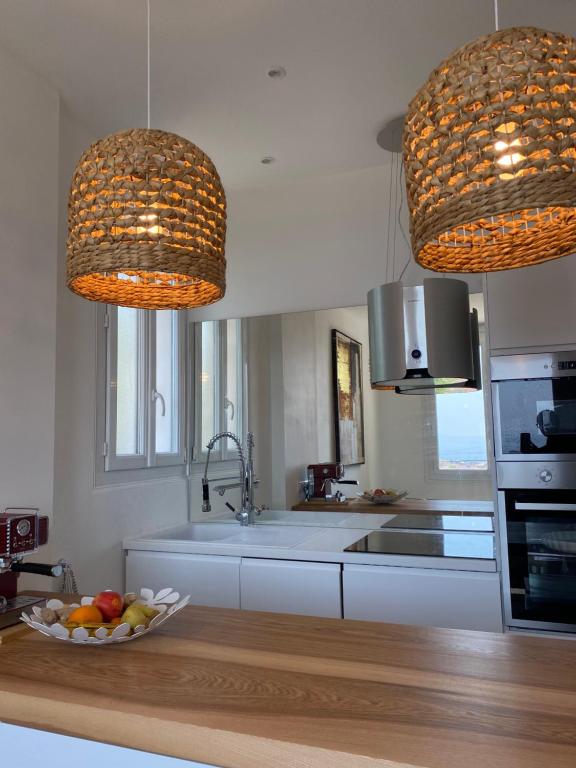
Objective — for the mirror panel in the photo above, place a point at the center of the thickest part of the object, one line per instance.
(433, 447)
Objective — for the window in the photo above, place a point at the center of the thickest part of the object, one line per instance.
(148, 384)
(219, 375)
(461, 432)
(145, 389)
(457, 432)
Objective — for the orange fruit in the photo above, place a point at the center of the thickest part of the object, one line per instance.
(86, 614)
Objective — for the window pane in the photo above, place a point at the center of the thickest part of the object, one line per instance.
(127, 384)
(208, 382)
(231, 405)
(167, 381)
(461, 431)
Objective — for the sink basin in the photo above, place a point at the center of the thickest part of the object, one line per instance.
(234, 534)
(208, 532)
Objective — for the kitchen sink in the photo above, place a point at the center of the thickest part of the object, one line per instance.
(234, 534)
(208, 532)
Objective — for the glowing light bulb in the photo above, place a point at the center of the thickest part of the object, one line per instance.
(511, 158)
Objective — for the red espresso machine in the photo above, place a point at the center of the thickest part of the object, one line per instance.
(321, 477)
(22, 532)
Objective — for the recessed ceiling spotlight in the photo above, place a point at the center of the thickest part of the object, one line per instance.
(268, 160)
(277, 73)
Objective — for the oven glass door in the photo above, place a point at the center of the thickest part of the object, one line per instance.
(541, 538)
(536, 418)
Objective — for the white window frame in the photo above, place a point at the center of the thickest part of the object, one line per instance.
(221, 457)
(111, 468)
(431, 457)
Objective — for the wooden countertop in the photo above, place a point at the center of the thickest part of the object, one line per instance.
(402, 507)
(253, 690)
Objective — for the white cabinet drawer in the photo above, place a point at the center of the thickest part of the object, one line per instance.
(287, 586)
(209, 579)
(456, 599)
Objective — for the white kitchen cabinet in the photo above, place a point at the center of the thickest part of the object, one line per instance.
(209, 579)
(457, 599)
(288, 586)
(533, 306)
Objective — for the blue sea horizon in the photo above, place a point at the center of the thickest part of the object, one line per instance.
(462, 449)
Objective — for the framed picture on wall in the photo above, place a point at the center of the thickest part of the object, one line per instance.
(348, 398)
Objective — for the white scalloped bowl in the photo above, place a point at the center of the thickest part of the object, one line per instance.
(166, 601)
(385, 498)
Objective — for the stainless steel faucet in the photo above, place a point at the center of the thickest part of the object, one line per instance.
(247, 481)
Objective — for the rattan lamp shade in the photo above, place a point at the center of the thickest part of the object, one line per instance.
(146, 223)
(490, 153)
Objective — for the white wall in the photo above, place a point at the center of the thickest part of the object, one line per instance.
(28, 246)
(313, 245)
(90, 521)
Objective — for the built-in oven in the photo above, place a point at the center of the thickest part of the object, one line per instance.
(538, 535)
(534, 401)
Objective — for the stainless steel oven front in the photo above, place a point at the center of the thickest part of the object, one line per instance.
(538, 538)
(534, 402)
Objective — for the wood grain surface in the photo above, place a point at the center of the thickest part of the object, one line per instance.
(8, 634)
(402, 507)
(252, 690)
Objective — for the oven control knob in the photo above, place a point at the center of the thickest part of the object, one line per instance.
(546, 476)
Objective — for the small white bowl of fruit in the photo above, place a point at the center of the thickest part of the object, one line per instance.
(109, 617)
(383, 495)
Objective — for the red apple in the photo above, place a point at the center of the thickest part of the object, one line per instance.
(110, 604)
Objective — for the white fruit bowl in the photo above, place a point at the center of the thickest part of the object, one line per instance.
(166, 601)
(384, 498)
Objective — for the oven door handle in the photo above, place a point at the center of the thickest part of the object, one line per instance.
(545, 507)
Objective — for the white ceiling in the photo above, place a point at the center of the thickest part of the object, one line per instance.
(352, 65)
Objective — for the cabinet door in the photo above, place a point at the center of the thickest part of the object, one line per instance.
(457, 599)
(287, 586)
(534, 306)
(209, 579)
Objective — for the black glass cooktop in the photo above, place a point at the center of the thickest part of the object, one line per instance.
(441, 523)
(470, 545)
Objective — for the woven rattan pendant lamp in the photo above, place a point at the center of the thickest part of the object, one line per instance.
(489, 150)
(146, 221)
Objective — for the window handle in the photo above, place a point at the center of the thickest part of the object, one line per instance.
(229, 404)
(159, 396)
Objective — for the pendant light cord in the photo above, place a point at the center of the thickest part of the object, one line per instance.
(148, 63)
(396, 166)
(496, 16)
(389, 226)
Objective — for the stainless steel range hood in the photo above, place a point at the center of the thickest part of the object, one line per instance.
(420, 336)
(470, 385)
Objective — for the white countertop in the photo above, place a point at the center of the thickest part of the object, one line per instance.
(317, 543)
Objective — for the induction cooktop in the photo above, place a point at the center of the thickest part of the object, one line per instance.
(441, 523)
(479, 546)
